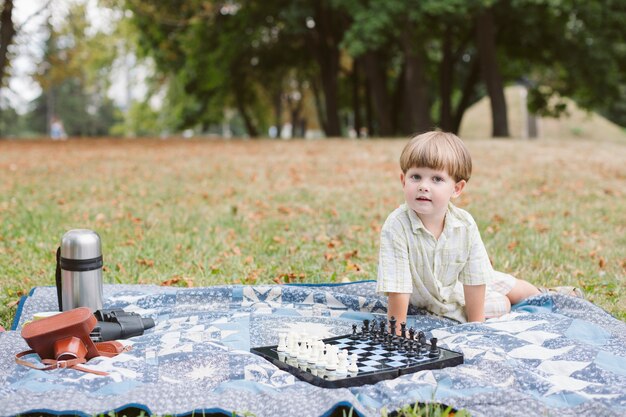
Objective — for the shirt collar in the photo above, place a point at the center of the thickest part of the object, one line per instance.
(451, 221)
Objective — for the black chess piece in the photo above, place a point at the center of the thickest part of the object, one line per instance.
(400, 346)
(383, 324)
(366, 324)
(434, 350)
(421, 337)
(412, 333)
(388, 341)
(418, 349)
(354, 335)
(403, 330)
(363, 335)
(392, 326)
(410, 351)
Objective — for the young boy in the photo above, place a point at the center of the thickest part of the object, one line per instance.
(431, 252)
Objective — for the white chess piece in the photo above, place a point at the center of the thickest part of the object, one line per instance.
(282, 342)
(314, 353)
(291, 344)
(331, 358)
(353, 367)
(342, 362)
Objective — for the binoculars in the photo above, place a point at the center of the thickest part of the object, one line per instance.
(118, 324)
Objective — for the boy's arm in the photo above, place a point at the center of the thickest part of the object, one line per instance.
(474, 302)
(398, 305)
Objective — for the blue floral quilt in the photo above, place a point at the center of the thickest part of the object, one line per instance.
(553, 355)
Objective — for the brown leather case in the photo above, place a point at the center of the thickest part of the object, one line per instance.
(41, 335)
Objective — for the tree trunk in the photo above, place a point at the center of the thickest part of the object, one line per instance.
(445, 81)
(247, 119)
(377, 81)
(466, 95)
(325, 38)
(319, 106)
(486, 42)
(356, 98)
(7, 32)
(278, 111)
(416, 106)
(400, 119)
(369, 112)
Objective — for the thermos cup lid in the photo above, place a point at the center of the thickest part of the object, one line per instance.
(81, 244)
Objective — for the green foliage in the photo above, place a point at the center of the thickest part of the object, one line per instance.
(140, 120)
(74, 77)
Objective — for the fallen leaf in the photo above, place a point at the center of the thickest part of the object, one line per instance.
(602, 262)
(351, 254)
(351, 266)
(177, 281)
(512, 245)
(147, 262)
(333, 243)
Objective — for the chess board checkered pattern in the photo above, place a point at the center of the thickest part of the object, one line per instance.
(374, 357)
(375, 362)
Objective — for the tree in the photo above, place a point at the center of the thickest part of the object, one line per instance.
(7, 33)
(74, 78)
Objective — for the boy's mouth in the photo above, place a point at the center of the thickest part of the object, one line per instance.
(422, 199)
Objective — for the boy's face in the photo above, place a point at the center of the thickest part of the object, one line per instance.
(428, 191)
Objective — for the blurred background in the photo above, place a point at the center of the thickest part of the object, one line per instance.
(312, 68)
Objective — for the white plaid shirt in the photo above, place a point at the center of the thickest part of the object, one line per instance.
(433, 271)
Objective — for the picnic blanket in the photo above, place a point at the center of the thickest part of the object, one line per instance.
(553, 355)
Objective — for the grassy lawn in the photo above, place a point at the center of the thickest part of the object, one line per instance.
(198, 213)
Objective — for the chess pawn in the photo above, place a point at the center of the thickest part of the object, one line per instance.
(418, 349)
(353, 369)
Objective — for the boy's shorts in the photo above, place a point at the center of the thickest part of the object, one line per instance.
(496, 301)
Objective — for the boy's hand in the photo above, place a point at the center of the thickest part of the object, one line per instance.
(474, 302)
(398, 305)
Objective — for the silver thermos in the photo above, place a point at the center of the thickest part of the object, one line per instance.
(79, 270)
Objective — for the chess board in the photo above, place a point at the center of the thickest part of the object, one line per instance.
(376, 362)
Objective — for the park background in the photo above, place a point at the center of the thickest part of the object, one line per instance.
(257, 142)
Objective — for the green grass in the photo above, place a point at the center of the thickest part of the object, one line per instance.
(211, 212)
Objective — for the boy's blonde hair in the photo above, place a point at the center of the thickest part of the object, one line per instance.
(438, 150)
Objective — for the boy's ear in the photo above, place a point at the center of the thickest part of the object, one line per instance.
(402, 178)
(458, 188)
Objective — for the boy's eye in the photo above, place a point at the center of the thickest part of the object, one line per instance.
(415, 177)
(438, 179)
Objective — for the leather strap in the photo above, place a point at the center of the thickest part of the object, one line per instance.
(54, 364)
(111, 348)
(107, 349)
